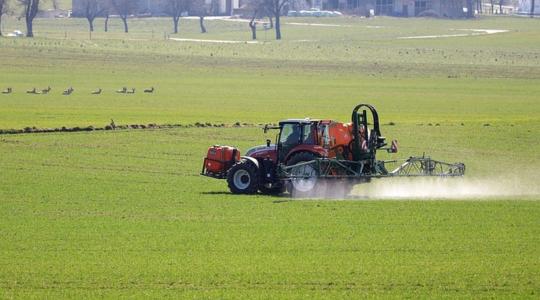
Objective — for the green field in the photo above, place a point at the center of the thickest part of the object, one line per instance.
(125, 214)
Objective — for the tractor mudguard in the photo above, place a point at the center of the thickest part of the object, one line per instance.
(254, 161)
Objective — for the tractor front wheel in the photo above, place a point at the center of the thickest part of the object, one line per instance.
(242, 178)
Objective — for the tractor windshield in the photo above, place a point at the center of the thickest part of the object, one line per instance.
(289, 137)
(290, 134)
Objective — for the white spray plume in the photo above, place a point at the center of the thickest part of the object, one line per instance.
(448, 188)
(432, 188)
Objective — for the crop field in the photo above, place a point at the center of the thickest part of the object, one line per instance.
(124, 213)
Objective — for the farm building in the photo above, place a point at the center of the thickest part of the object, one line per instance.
(159, 7)
(405, 8)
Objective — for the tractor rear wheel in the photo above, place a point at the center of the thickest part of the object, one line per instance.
(243, 178)
(306, 181)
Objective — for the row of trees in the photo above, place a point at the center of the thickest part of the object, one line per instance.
(177, 8)
(93, 9)
(30, 9)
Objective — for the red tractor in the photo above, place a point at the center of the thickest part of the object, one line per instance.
(310, 153)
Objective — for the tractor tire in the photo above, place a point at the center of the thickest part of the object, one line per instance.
(243, 178)
(311, 186)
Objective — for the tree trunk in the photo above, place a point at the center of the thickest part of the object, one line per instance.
(201, 23)
(500, 7)
(29, 28)
(124, 20)
(278, 27)
(479, 6)
(1, 13)
(91, 24)
(175, 24)
(253, 27)
(532, 8)
(271, 21)
(492, 6)
(107, 23)
(470, 9)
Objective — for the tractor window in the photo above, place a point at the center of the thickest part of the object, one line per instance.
(290, 134)
(308, 135)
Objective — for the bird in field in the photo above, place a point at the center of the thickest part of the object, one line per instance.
(32, 91)
(132, 91)
(46, 91)
(68, 91)
(122, 90)
(97, 92)
(7, 91)
(150, 90)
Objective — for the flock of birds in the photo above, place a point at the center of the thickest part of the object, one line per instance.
(70, 91)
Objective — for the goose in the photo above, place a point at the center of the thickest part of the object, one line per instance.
(7, 91)
(122, 91)
(32, 91)
(68, 91)
(46, 91)
(150, 90)
(97, 92)
(132, 91)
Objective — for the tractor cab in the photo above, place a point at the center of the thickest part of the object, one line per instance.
(295, 135)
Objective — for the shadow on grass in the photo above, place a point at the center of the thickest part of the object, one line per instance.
(283, 197)
(216, 193)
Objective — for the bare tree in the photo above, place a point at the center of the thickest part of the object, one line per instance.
(124, 8)
(276, 7)
(258, 10)
(3, 10)
(201, 8)
(31, 8)
(532, 8)
(92, 9)
(106, 13)
(175, 9)
(480, 6)
(470, 9)
(255, 8)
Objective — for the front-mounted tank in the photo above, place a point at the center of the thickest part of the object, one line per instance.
(219, 159)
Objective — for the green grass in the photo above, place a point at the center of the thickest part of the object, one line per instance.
(125, 213)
